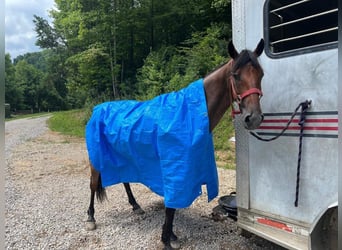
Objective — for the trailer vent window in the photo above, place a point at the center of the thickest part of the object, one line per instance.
(292, 25)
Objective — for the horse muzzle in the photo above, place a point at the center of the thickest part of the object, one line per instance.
(252, 120)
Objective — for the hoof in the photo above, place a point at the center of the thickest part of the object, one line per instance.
(175, 244)
(172, 246)
(90, 225)
(138, 211)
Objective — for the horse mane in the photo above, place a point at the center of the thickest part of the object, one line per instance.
(245, 57)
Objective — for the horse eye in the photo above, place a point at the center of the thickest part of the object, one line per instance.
(237, 77)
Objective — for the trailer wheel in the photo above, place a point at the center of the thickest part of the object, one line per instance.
(325, 233)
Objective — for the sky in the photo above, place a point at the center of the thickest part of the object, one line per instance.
(20, 36)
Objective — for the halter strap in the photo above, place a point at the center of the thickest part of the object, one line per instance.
(250, 92)
(237, 99)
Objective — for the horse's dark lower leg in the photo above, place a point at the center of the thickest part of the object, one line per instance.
(95, 187)
(136, 208)
(91, 210)
(169, 239)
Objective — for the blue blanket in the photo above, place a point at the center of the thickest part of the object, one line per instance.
(163, 143)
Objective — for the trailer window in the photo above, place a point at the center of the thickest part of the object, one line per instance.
(293, 26)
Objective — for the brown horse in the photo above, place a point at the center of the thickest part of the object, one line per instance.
(238, 81)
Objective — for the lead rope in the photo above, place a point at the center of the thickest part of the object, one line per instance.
(304, 105)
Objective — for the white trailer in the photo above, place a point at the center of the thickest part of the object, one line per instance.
(300, 64)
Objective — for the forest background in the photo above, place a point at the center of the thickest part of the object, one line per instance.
(100, 50)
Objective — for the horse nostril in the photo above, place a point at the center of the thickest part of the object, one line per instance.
(262, 117)
(247, 118)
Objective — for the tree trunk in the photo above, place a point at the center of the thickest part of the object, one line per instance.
(152, 25)
(113, 60)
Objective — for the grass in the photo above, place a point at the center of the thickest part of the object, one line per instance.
(224, 149)
(73, 123)
(68, 122)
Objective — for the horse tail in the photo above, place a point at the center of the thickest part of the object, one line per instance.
(100, 191)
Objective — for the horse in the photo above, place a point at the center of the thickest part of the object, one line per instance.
(237, 81)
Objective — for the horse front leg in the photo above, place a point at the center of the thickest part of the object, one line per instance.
(91, 211)
(169, 239)
(136, 207)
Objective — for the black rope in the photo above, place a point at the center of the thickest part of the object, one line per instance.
(304, 105)
(285, 128)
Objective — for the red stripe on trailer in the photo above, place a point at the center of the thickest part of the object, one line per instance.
(275, 224)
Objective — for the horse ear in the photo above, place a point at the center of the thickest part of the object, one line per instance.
(260, 47)
(231, 50)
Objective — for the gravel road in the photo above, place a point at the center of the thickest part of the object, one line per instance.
(47, 195)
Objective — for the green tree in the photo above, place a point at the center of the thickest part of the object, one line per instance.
(158, 69)
(92, 69)
(49, 88)
(172, 68)
(205, 51)
(28, 79)
(55, 77)
(47, 37)
(13, 92)
(105, 43)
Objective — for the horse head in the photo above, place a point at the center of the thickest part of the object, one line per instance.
(245, 83)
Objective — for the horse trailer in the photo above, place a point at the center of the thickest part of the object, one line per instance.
(287, 188)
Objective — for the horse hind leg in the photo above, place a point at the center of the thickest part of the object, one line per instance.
(136, 207)
(168, 237)
(95, 188)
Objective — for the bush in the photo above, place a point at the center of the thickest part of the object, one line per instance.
(68, 122)
(7, 110)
